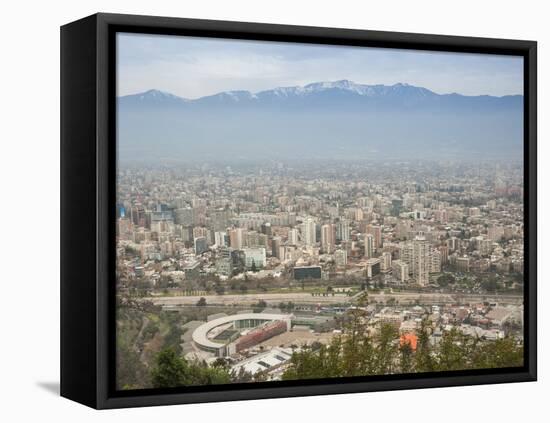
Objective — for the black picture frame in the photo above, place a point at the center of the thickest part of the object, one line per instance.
(88, 152)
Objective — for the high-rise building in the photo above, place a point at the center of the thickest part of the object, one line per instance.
(441, 216)
(396, 206)
(453, 244)
(254, 257)
(328, 238)
(421, 260)
(224, 262)
(444, 252)
(138, 215)
(485, 246)
(386, 260)
(435, 261)
(373, 267)
(462, 264)
(341, 258)
(254, 239)
(220, 219)
(124, 228)
(186, 233)
(220, 239)
(184, 216)
(309, 232)
(293, 236)
(400, 271)
(376, 231)
(200, 245)
(369, 245)
(236, 238)
(266, 228)
(342, 230)
(276, 247)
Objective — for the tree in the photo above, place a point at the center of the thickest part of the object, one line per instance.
(259, 306)
(201, 302)
(489, 283)
(173, 338)
(505, 352)
(455, 351)
(387, 348)
(131, 372)
(406, 357)
(446, 279)
(424, 361)
(169, 370)
(242, 376)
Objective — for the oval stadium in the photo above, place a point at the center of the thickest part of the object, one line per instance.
(230, 334)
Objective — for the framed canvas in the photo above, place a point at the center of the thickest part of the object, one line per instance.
(259, 211)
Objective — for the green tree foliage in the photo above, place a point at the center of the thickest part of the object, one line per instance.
(130, 372)
(446, 279)
(406, 357)
(173, 338)
(455, 351)
(489, 283)
(503, 352)
(171, 370)
(358, 353)
(424, 358)
(150, 330)
(259, 306)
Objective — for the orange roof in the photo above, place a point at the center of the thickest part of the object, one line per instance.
(409, 338)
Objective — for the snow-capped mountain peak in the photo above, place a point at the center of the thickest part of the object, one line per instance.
(158, 94)
(398, 94)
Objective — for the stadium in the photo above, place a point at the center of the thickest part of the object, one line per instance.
(231, 334)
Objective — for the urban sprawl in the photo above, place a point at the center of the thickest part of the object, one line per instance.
(244, 269)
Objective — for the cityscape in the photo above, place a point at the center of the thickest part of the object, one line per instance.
(278, 219)
(243, 266)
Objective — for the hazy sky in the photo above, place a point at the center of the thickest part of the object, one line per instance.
(193, 67)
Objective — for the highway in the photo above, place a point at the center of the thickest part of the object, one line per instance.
(402, 298)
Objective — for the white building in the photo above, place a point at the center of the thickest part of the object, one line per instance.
(341, 258)
(254, 256)
(369, 246)
(400, 271)
(308, 232)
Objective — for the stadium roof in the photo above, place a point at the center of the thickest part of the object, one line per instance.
(200, 334)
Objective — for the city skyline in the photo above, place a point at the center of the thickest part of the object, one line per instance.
(251, 268)
(331, 229)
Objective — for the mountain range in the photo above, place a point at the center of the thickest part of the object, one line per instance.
(335, 119)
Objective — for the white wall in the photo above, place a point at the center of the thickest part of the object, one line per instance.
(29, 166)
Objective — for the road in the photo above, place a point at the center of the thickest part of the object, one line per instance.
(307, 298)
